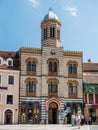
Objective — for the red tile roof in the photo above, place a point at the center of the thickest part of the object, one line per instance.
(90, 67)
(14, 55)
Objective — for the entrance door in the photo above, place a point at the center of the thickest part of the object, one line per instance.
(53, 114)
(8, 117)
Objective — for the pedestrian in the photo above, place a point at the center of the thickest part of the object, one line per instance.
(89, 120)
(82, 119)
(73, 119)
(79, 121)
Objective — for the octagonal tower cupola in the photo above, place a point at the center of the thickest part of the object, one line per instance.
(50, 30)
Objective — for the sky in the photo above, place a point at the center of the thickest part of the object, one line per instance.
(20, 24)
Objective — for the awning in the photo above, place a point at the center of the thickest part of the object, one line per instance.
(95, 106)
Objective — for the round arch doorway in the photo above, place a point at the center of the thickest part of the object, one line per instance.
(53, 113)
(8, 116)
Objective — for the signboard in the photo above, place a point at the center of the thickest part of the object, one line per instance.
(3, 88)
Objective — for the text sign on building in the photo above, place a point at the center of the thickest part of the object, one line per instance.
(3, 88)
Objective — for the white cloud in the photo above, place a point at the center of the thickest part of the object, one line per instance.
(72, 10)
(35, 3)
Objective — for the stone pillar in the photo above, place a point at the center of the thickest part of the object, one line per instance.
(87, 98)
(94, 99)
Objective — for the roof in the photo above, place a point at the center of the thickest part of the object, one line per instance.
(8, 54)
(90, 67)
(50, 15)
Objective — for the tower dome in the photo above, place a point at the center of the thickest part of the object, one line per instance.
(50, 15)
(50, 30)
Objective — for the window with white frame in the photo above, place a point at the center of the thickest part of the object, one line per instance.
(0, 98)
(0, 78)
(1, 60)
(11, 79)
(10, 63)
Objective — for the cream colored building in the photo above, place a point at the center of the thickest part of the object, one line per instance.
(9, 88)
(51, 78)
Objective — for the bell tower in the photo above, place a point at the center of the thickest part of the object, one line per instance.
(50, 30)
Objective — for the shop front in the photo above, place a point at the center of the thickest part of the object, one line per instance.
(30, 113)
(72, 108)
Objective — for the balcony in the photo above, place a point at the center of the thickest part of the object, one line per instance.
(73, 96)
(53, 94)
(30, 94)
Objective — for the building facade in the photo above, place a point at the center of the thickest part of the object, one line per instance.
(9, 88)
(50, 78)
(90, 86)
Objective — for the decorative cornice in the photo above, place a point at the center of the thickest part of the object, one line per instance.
(51, 21)
(30, 50)
(72, 53)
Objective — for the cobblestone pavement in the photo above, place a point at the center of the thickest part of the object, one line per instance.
(47, 127)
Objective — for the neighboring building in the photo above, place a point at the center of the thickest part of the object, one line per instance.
(51, 78)
(90, 85)
(9, 87)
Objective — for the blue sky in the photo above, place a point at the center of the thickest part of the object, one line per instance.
(20, 24)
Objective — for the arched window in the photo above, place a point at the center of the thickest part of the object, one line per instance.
(45, 33)
(70, 69)
(52, 66)
(72, 90)
(28, 86)
(55, 66)
(29, 66)
(74, 69)
(55, 87)
(75, 89)
(33, 66)
(52, 89)
(31, 87)
(52, 32)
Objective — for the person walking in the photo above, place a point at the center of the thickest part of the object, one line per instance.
(73, 119)
(79, 121)
(89, 120)
(82, 119)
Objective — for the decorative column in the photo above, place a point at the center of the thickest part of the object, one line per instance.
(59, 121)
(87, 98)
(94, 100)
(47, 115)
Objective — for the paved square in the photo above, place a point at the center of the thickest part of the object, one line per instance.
(46, 127)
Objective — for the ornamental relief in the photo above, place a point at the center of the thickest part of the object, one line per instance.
(72, 62)
(73, 82)
(31, 79)
(31, 59)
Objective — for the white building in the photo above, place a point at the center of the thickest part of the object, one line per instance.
(9, 88)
